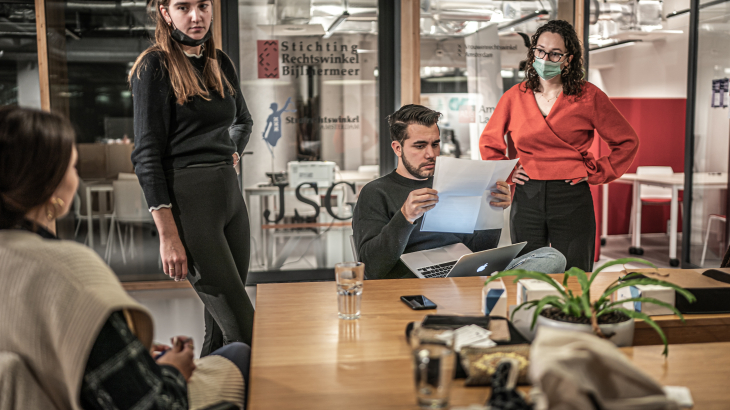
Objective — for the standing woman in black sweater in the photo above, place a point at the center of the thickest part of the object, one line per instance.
(191, 125)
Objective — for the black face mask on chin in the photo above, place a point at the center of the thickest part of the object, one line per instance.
(186, 40)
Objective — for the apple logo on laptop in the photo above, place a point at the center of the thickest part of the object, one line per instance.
(481, 268)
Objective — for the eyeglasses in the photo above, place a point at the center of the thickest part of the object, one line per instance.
(554, 57)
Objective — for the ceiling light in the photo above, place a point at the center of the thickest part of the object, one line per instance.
(534, 16)
(336, 23)
(702, 6)
(620, 44)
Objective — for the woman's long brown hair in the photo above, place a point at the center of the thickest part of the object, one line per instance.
(185, 81)
(572, 75)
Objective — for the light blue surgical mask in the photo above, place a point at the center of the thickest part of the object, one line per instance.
(546, 69)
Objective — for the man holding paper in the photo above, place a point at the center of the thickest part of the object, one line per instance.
(387, 221)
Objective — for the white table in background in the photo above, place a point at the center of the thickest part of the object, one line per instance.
(98, 187)
(676, 183)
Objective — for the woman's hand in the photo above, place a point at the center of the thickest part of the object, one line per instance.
(503, 196)
(158, 349)
(236, 160)
(180, 356)
(174, 259)
(172, 251)
(519, 177)
(570, 181)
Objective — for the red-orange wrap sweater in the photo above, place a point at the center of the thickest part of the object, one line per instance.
(556, 147)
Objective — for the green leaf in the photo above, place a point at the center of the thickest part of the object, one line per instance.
(649, 281)
(647, 319)
(584, 298)
(531, 302)
(524, 274)
(547, 300)
(643, 300)
(602, 300)
(574, 307)
(621, 261)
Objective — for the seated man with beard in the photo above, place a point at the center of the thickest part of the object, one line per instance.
(387, 218)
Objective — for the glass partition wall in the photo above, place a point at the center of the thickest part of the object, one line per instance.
(309, 71)
(92, 45)
(707, 143)
(19, 77)
(470, 55)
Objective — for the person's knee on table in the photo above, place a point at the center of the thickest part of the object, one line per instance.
(544, 260)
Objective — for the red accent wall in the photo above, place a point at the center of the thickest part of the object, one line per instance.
(660, 123)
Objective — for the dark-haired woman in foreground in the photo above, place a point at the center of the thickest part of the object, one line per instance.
(70, 336)
(552, 117)
(191, 125)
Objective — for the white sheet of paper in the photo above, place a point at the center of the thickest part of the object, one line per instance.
(472, 335)
(464, 188)
(460, 184)
(454, 214)
(681, 395)
(462, 177)
(491, 217)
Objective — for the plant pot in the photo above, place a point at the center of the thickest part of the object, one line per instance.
(622, 333)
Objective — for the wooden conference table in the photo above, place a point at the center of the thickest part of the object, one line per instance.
(675, 182)
(304, 357)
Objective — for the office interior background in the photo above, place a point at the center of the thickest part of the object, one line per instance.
(342, 66)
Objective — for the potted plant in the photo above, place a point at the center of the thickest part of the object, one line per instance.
(604, 317)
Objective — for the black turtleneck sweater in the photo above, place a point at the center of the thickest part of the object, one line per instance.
(168, 135)
(383, 234)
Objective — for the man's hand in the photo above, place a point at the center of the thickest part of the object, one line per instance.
(180, 356)
(503, 197)
(418, 202)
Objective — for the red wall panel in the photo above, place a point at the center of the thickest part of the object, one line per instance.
(660, 123)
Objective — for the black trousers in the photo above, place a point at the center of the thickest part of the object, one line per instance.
(557, 214)
(212, 221)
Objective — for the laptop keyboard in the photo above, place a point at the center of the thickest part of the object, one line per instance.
(437, 271)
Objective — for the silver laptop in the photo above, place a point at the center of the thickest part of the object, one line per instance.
(457, 260)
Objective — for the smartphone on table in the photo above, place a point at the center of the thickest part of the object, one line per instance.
(418, 302)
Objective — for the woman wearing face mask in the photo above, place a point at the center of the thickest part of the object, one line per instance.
(191, 125)
(552, 117)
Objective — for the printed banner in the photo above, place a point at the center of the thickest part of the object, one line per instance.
(484, 80)
(268, 56)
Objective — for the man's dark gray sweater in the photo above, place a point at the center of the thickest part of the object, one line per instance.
(383, 234)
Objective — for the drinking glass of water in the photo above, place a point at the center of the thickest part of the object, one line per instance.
(349, 276)
(434, 364)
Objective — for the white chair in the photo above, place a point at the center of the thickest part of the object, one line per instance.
(652, 195)
(713, 217)
(127, 176)
(80, 210)
(130, 208)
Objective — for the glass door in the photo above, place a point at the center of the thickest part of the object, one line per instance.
(706, 152)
